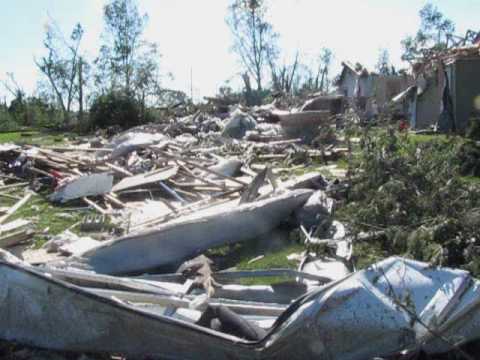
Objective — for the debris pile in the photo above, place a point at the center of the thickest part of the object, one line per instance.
(164, 197)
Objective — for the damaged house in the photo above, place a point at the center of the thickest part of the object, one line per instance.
(370, 89)
(446, 93)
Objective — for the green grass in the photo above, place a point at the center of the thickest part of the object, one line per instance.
(342, 163)
(275, 259)
(472, 180)
(32, 137)
(45, 215)
(423, 138)
(272, 260)
(239, 256)
(9, 137)
(42, 213)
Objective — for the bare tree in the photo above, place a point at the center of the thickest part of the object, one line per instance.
(254, 38)
(12, 86)
(315, 75)
(324, 62)
(284, 76)
(17, 106)
(82, 67)
(383, 66)
(60, 65)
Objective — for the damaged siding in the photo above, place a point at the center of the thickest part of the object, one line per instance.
(427, 104)
(466, 87)
(349, 84)
(387, 87)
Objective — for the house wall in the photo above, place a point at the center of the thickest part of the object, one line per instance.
(466, 87)
(428, 105)
(371, 87)
(429, 102)
(366, 86)
(412, 111)
(387, 87)
(349, 84)
(333, 104)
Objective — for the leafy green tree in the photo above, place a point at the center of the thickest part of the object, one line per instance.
(126, 61)
(23, 110)
(434, 34)
(115, 108)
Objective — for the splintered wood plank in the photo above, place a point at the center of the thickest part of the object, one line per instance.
(15, 207)
(14, 225)
(14, 238)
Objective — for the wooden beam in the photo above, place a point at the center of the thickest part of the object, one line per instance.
(95, 206)
(5, 187)
(206, 169)
(15, 238)
(15, 207)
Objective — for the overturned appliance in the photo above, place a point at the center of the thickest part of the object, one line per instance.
(395, 305)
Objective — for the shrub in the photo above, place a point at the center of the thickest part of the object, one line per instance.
(473, 129)
(115, 108)
(414, 192)
(7, 123)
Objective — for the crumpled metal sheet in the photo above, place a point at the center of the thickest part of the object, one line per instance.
(375, 312)
(171, 243)
(86, 185)
(380, 311)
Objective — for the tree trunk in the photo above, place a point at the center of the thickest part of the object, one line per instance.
(143, 107)
(248, 88)
(80, 91)
(322, 81)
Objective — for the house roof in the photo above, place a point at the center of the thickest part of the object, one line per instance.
(358, 70)
(472, 51)
(448, 56)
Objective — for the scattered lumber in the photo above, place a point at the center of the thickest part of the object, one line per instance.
(15, 207)
(14, 238)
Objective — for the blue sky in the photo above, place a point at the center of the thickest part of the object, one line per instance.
(192, 34)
